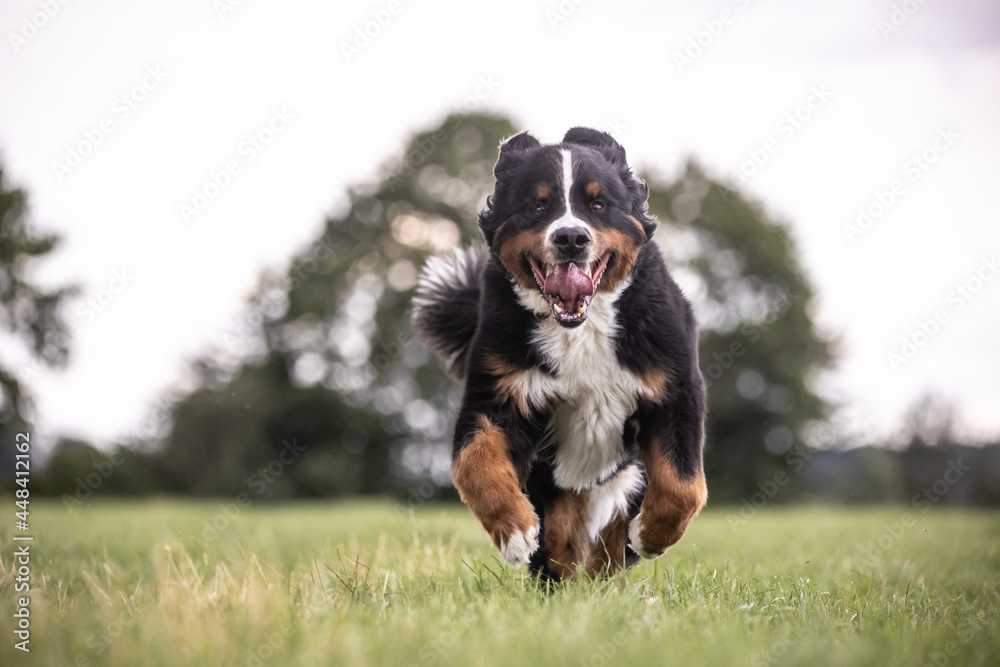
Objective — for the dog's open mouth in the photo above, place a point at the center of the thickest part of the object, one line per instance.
(569, 287)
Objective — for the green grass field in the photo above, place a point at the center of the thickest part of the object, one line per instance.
(363, 583)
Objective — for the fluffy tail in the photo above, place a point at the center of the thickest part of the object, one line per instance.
(446, 305)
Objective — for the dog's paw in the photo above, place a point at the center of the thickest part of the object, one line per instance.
(517, 548)
(635, 542)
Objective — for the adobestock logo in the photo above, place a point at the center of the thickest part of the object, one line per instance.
(121, 109)
(711, 30)
(31, 25)
(958, 298)
(899, 17)
(786, 127)
(363, 35)
(912, 171)
(220, 179)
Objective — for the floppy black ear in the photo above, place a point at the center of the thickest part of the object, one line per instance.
(640, 205)
(511, 152)
(600, 141)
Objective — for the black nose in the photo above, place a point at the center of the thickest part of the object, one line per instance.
(571, 240)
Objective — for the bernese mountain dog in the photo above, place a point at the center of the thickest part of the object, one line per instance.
(578, 446)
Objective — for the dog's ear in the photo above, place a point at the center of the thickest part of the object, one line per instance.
(602, 142)
(640, 204)
(511, 152)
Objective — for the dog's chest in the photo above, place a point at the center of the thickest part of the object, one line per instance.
(595, 396)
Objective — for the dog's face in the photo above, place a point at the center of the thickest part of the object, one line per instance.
(566, 219)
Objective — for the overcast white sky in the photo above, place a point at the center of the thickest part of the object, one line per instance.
(198, 81)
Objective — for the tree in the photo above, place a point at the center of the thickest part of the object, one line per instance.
(29, 317)
(759, 347)
(325, 357)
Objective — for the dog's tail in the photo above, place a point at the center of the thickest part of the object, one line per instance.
(446, 305)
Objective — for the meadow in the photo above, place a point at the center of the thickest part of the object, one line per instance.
(373, 583)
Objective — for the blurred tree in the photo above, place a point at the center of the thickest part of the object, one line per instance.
(29, 318)
(324, 364)
(760, 350)
(325, 358)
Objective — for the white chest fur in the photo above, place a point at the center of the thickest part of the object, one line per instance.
(596, 395)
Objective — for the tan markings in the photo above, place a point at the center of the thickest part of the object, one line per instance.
(607, 556)
(486, 481)
(626, 250)
(637, 224)
(566, 537)
(508, 383)
(670, 502)
(513, 251)
(543, 191)
(656, 384)
(507, 375)
(593, 189)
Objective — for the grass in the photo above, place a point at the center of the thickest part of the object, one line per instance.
(367, 583)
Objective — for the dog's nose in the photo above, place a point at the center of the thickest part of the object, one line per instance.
(571, 240)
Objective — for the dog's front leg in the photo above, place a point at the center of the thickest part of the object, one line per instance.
(671, 437)
(489, 469)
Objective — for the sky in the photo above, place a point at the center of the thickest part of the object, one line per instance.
(182, 148)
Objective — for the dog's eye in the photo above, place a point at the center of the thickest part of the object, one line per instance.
(597, 205)
(540, 207)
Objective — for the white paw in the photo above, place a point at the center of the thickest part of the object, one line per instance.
(635, 542)
(518, 549)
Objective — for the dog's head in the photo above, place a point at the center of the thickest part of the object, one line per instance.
(566, 219)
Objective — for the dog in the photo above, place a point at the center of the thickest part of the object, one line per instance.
(579, 442)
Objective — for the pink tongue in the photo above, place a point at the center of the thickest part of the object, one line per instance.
(568, 282)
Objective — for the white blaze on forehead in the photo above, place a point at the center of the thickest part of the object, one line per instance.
(567, 219)
(567, 182)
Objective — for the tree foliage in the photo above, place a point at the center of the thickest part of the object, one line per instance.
(327, 360)
(760, 350)
(29, 316)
